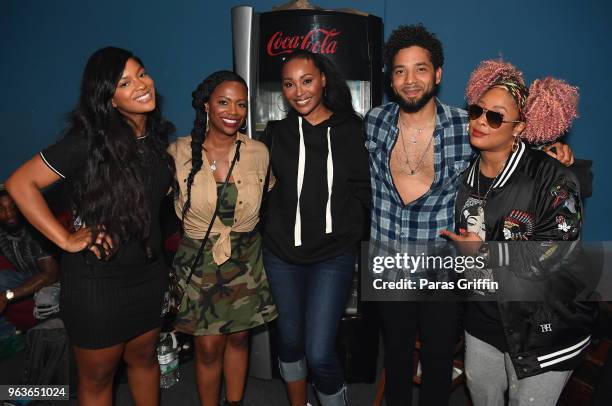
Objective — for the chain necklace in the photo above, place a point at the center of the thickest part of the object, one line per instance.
(212, 166)
(414, 170)
(419, 130)
(483, 202)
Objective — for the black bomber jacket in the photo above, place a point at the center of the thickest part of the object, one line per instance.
(537, 199)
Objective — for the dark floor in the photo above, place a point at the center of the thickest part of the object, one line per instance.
(259, 392)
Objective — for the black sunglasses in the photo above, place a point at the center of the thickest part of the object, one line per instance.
(494, 119)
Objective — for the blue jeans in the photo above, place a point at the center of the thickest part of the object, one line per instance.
(310, 300)
(10, 279)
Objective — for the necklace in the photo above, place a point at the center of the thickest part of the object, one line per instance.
(218, 152)
(140, 144)
(419, 130)
(414, 170)
(484, 198)
(413, 137)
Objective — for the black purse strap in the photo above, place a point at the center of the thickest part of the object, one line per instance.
(269, 141)
(212, 221)
(266, 186)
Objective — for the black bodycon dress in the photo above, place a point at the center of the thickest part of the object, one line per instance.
(103, 303)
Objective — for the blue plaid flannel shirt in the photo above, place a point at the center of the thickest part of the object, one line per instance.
(421, 220)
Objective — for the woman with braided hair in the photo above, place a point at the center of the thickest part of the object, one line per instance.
(228, 293)
(514, 193)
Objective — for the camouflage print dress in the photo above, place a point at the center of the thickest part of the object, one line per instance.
(226, 298)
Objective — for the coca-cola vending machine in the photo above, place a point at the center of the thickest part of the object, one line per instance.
(353, 42)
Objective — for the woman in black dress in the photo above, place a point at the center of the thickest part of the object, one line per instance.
(114, 155)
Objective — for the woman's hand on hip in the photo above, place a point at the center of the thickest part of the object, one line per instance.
(102, 246)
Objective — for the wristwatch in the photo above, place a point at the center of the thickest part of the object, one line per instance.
(9, 295)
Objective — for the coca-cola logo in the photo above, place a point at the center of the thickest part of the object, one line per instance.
(318, 40)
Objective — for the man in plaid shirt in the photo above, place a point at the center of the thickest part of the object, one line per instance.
(418, 148)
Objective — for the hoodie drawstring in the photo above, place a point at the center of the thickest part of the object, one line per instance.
(297, 230)
(330, 182)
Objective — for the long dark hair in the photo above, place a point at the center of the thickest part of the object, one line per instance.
(200, 96)
(337, 96)
(110, 191)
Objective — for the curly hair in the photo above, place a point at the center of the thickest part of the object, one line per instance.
(337, 96)
(200, 96)
(406, 36)
(549, 108)
(110, 192)
(486, 74)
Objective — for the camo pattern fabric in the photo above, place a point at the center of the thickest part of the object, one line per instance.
(226, 298)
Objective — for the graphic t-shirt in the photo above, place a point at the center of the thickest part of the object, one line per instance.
(482, 319)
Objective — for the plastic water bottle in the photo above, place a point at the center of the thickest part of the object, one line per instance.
(167, 355)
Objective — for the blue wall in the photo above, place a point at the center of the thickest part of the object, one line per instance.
(44, 45)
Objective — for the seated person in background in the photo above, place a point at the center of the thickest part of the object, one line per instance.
(34, 267)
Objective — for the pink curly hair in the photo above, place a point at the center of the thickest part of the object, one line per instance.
(488, 73)
(549, 110)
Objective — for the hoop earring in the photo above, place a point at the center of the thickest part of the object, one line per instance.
(206, 121)
(244, 127)
(280, 104)
(515, 143)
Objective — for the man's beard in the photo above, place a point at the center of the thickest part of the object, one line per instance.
(415, 105)
(14, 226)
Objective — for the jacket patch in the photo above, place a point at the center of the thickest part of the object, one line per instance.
(518, 226)
(546, 327)
(567, 226)
(562, 197)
